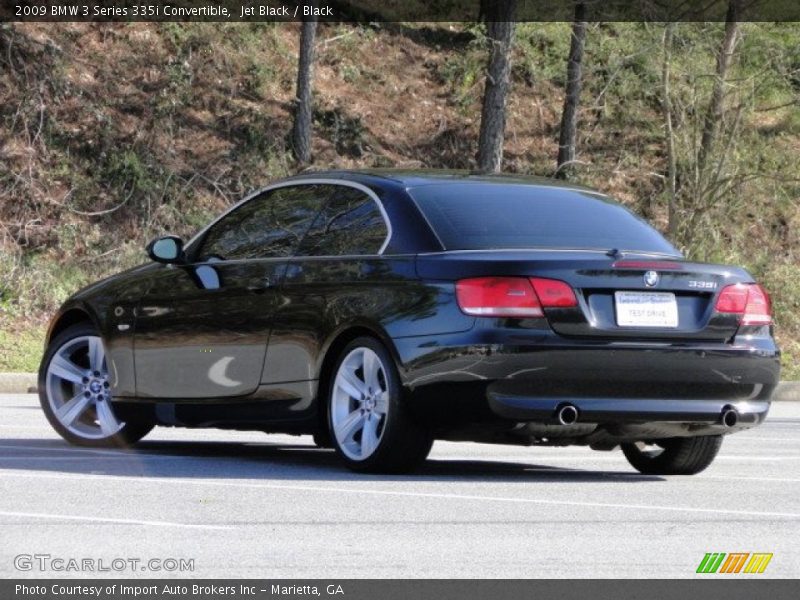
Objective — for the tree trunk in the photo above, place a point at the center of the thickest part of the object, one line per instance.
(716, 107)
(301, 128)
(666, 105)
(485, 10)
(569, 116)
(493, 115)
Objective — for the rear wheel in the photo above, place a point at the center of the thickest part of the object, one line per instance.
(370, 426)
(74, 391)
(673, 456)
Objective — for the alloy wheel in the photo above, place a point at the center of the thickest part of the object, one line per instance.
(78, 389)
(360, 403)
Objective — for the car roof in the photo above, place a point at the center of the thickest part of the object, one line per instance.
(412, 178)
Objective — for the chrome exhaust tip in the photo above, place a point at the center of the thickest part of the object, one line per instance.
(730, 417)
(567, 415)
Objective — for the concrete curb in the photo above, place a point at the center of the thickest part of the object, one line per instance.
(788, 391)
(18, 383)
(25, 383)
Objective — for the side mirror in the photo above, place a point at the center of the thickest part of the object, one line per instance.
(168, 249)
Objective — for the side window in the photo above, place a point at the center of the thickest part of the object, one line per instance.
(351, 223)
(269, 225)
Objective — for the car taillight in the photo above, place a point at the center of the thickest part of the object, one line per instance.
(512, 296)
(553, 293)
(748, 300)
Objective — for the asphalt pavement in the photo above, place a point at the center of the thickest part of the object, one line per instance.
(235, 504)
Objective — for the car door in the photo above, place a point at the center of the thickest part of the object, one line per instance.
(339, 256)
(203, 327)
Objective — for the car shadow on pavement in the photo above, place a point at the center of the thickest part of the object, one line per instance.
(262, 460)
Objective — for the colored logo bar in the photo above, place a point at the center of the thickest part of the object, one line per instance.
(734, 562)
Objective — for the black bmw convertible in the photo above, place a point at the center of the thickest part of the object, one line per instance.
(380, 310)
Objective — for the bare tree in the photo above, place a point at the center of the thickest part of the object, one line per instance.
(500, 30)
(569, 116)
(715, 110)
(669, 133)
(301, 128)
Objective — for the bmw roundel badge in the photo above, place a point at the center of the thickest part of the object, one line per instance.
(651, 278)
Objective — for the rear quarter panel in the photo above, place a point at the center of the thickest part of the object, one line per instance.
(323, 297)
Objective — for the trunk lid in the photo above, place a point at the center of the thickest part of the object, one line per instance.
(635, 297)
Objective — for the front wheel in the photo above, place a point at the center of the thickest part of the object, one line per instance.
(371, 428)
(673, 456)
(74, 391)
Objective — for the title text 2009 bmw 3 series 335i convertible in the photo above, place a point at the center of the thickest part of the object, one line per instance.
(380, 310)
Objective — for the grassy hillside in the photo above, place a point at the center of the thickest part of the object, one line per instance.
(112, 134)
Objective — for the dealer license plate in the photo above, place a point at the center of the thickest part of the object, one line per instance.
(646, 309)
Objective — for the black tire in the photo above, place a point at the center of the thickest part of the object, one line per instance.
(131, 431)
(674, 456)
(322, 439)
(403, 443)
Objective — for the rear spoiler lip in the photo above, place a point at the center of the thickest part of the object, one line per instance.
(543, 249)
(656, 265)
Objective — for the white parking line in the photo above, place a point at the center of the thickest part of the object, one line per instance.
(734, 478)
(756, 458)
(538, 457)
(765, 439)
(121, 456)
(589, 457)
(400, 494)
(65, 449)
(56, 517)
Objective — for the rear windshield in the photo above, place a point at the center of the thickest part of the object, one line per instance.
(478, 216)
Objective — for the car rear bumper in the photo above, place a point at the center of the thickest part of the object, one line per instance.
(717, 415)
(678, 388)
(528, 358)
